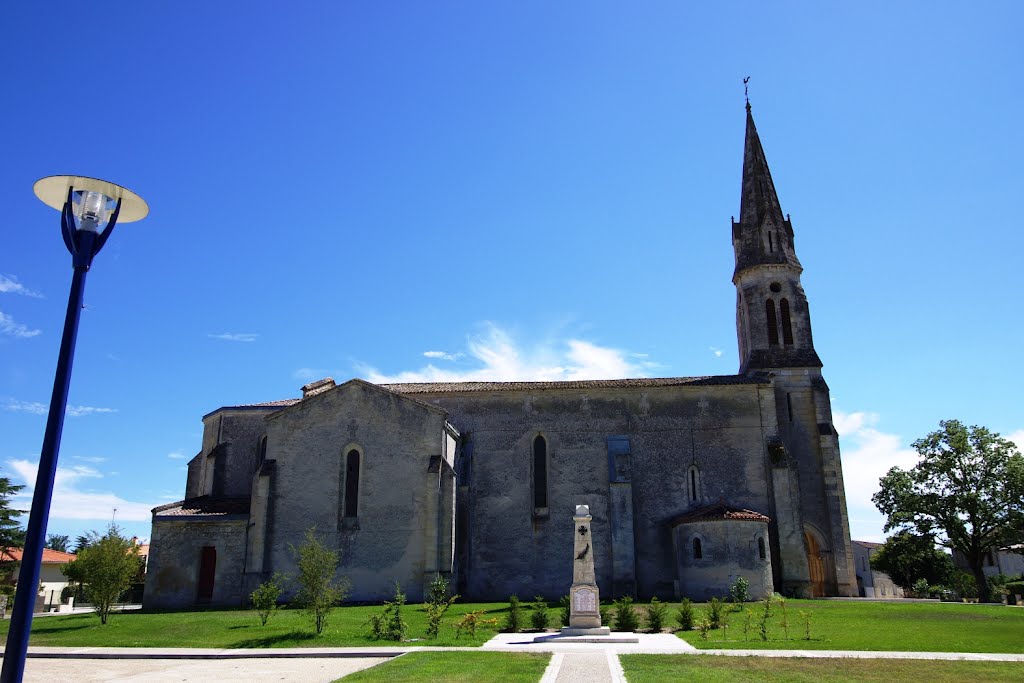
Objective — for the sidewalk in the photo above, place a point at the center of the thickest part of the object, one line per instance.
(571, 663)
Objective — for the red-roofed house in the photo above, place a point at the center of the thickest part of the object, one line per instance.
(50, 576)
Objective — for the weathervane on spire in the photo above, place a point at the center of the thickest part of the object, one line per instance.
(746, 92)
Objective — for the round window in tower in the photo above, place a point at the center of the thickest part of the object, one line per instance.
(775, 287)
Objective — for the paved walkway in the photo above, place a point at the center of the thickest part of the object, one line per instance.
(572, 662)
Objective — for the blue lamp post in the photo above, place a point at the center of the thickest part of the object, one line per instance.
(90, 209)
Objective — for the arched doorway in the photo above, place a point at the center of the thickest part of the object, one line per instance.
(816, 565)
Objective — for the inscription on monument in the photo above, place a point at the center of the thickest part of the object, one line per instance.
(584, 600)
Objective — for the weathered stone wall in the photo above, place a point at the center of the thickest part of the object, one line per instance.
(400, 499)
(175, 549)
(514, 548)
(729, 550)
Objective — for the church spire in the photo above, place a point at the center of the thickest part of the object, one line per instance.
(772, 317)
(763, 234)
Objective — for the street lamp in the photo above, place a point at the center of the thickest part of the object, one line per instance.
(89, 209)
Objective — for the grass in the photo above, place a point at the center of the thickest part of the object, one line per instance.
(842, 625)
(715, 669)
(346, 627)
(457, 666)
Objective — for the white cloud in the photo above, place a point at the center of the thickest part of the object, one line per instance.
(10, 285)
(177, 455)
(36, 408)
(15, 406)
(88, 458)
(79, 411)
(443, 355)
(715, 351)
(13, 329)
(235, 336)
(309, 374)
(867, 454)
(72, 499)
(1018, 438)
(500, 358)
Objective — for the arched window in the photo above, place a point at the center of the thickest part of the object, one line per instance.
(787, 327)
(352, 483)
(540, 472)
(760, 548)
(697, 552)
(263, 449)
(773, 323)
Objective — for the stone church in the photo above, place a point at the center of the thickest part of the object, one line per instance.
(691, 481)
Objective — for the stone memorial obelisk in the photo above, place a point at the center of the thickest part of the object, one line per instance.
(584, 598)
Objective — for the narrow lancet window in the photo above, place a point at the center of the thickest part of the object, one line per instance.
(773, 323)
(787, 327)
(540, 472)
(352, 483)
(697, 552)
(263, 449)
(760, 548)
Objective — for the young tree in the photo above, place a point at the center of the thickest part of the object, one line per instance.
(967, 491)
(319, 591)
(58, 542)
(907, 558)
(106, 569)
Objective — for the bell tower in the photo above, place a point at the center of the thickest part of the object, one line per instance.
(773, 324)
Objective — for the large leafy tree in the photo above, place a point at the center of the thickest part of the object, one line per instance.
(11, 533)
(967, 491)
(106, 569)
(907, 557)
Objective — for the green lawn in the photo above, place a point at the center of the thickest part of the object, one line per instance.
(457, 666)
(712, 669)
(841, 625)
(241, 629)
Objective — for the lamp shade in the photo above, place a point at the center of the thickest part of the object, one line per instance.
(53, 191)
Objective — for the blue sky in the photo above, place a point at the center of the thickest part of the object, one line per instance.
(505, 191)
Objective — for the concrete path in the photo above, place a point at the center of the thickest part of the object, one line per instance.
(572, 662)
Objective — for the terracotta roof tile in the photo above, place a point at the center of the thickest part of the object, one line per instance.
(204, 506)
(52, 556)
(719, 511)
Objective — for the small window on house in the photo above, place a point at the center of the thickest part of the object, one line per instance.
(540, 472)
(352, 483)
(773, 323)
(697, 552)
(760, 548)
(787, 326)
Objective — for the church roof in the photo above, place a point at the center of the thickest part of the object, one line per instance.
(719, 511)
(471, 387)
(457, 387)
(204, 506)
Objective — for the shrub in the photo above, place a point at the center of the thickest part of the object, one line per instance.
(389, 624)
(748, 616)
(564, 611)
(437, 604)
(626, 618)
(470, 621)
(264, 599)
(716, 609)
(514, 618)
(739, 591)
(319, 591)
(539, 617)
(704, 626)
(656, 613)
(920, 589)
(684, 615)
